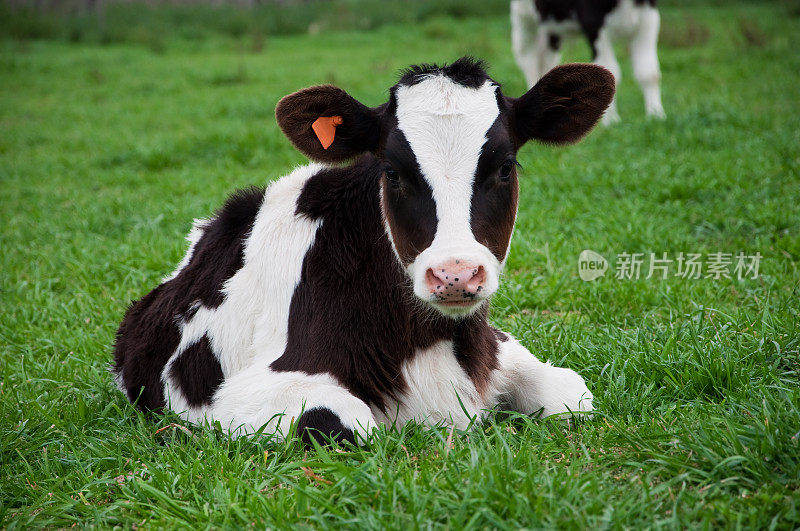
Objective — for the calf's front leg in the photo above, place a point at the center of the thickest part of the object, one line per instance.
(258, 398)
(528, 385)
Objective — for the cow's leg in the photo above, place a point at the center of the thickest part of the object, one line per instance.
(549, 46)
(604, 56)
(528, 385)
(644, 57)
(525, 40)
(259, 397)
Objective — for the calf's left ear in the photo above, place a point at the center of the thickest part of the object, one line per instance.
(329, 125)
(564, 105)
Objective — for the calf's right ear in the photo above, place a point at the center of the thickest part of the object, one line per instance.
(564, 105)
(328, 125)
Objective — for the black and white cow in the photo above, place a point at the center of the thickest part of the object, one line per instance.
(355, 291)
(538, 26)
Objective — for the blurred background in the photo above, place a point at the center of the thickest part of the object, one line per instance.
(146, 21)
(156, 22)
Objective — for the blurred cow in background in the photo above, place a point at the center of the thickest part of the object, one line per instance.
(538, 26)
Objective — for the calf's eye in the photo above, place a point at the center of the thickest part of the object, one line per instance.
(506, 169)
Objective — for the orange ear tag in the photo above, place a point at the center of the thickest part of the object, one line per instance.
(325, 128)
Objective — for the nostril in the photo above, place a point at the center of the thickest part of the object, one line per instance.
(433, 282)
(475, 284)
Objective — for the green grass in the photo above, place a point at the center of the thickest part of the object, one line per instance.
(108, 152)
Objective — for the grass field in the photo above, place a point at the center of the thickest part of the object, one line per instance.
(107, 152)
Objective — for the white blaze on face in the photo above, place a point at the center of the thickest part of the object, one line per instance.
(445, 124)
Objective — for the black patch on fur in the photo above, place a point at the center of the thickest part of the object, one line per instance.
(555, 41)
(563, 106)
(149, 333)
(494, 202)
(589, 14)
(408, 201)
(220, 252)
(320, 423)
(353, 314)
(578, 10)
(145, 340)
(474, 346)
(361, 128)
(197, 373)
(499, 335)
(466, 71)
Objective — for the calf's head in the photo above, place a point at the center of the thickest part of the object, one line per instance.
(447, 141)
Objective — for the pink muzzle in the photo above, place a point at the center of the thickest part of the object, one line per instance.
(455, 281)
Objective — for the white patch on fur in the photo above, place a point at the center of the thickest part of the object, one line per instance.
(441, 393)
(525, 384)
(530, 40)
(623, 20)
(251, 324)
(435, 382)
(193, 237)
(644, 58)
(445, 124)
(258, 396)
(524, 26)
(118, 380)
(606, 58)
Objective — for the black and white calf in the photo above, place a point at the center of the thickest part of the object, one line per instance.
(354, 291)
(538, 26)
